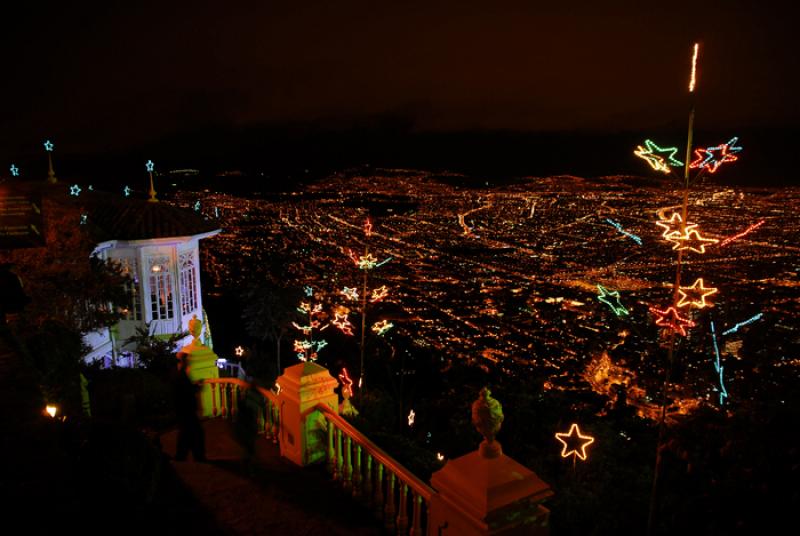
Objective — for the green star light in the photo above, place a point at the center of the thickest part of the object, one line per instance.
(652, 153)
(615, 304)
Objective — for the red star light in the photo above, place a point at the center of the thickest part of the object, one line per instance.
(672, 320)
(347, 384)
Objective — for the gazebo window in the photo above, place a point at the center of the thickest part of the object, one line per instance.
(161, 305)
(129, 268)
(188, 282)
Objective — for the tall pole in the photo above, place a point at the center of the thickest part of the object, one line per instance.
(675, 293)
(363, 326)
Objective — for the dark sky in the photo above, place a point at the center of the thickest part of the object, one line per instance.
(98, 78)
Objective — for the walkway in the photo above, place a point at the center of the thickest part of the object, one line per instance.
(276, 497)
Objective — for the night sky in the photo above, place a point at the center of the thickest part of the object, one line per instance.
(122, 76)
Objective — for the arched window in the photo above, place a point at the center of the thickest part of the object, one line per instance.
(161, 305)
(130, 268)
(188, 282)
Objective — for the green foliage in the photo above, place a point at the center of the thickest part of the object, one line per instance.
(156, 353)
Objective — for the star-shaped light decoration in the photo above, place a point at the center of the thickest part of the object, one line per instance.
(411, 417)
(308, 291)
(673, 227)
(342, 322)
(692, 240)
(612, 300)
(368, 228)
(127, 191)
(347, 384)
(91, 188)
(695, 295)
(48, 146)
(350, 293)
(197, 206)
(84, 218)
(713, 157)
(670, 318)
(378, 294)
(652, 154)
(382, 327)
(75, 190)
(149, 166)
(367, 262)
(574, 442)
(314, 324)
(14, 170)
(239, 351)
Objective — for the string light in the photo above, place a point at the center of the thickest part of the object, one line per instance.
(673, 227)
(14, 170)
(308, 349)
(75, 190)
(383, 262)
(623, 231)
(382, 327)
(657, 162)
(735, 328)
(378, 294)
(350, 293)
(672, 320)
(693, 78)
(574, 436)
(696, 297)
(707, 158)
(615, 304)
(723, 393)
(742, 234)
(48, 146)
(686, 240)
(347, 384)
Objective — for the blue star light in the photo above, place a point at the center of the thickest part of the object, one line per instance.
(149, 166)
(127, 191)
(48, 146)
(91, 188)
(197, 206)
(615, 305)
(75, 190)
(83, 219)
(309, 291)
(14, 170)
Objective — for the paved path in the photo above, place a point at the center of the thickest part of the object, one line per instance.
(275, 497)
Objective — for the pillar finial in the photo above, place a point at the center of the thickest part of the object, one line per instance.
(487, 417)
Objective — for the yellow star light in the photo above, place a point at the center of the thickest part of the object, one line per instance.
(695, 295)
(673, 227)
(691, 240)
(574, 437)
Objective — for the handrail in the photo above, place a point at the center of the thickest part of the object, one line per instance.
(266, 393)
(417, 485)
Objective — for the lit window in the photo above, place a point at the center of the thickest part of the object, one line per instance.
(188, 282)
(130, 268)
(161, 305)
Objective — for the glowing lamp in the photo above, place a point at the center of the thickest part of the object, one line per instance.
(51, 409)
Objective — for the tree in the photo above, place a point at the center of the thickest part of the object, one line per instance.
(268, 311)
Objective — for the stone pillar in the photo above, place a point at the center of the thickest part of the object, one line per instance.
(303, 386)
(202, 362)
(486, 492)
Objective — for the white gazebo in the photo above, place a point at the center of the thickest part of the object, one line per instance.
(157, 245)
